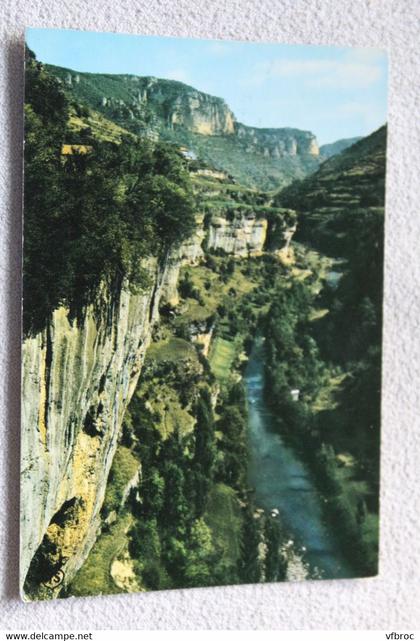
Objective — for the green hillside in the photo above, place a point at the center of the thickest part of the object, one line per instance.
(335, 358)
(172, 111)
(353, 178)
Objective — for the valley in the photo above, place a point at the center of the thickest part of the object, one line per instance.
(219, 323)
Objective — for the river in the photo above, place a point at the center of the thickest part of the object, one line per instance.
(282, 482)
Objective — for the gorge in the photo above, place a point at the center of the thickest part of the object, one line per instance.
(135, 415)
(173, 111)
(283, 484)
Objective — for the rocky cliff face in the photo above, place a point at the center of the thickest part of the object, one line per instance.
(173, 104)
(244, 236)
(352, 179)
(277, 143)
(204, 124)
(154, 103)
(190, 252)
(78, 378)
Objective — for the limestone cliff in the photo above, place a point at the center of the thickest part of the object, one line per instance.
(78, 377)
(244, 236)
(201, 123)
(152, 103)
(241, 236)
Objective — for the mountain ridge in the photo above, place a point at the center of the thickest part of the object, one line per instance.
(268, 158)
(351, 179)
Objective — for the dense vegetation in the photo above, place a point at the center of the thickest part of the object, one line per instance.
(120, 99)
(336, 356)
(353, 179)
(334, 424)
(92, 215)
(193, 521)
(193, 498)
(322, 338)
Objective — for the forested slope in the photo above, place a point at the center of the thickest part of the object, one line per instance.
(333, 355)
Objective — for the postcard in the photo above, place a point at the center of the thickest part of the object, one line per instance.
(202, 312)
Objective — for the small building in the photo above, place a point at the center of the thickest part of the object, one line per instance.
(295, 393)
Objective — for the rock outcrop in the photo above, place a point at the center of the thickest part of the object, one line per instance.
(202, 123)
(78, 378)
(244, 236)
(277, 143)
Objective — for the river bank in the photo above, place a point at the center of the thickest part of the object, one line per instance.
(283, 483)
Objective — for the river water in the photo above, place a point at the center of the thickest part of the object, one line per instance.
(282, 482)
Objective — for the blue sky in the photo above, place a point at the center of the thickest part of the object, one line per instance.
(334, 92)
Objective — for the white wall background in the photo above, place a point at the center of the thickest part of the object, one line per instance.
(388, 601)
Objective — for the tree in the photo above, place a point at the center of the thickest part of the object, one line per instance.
(204, 451)
(92, 216)
(199, 565)
(152, 491)
(275, 565)
(248, 564)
